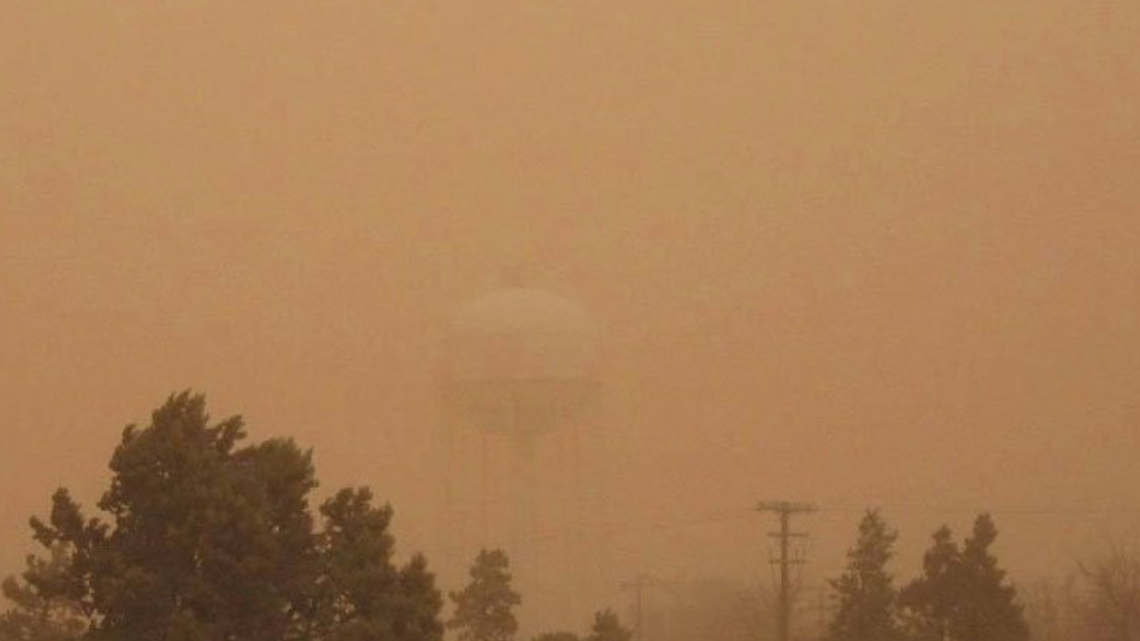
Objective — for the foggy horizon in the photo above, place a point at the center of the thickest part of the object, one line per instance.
(873, 254)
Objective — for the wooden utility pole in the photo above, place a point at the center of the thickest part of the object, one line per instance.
(638, 586)
(784, 510)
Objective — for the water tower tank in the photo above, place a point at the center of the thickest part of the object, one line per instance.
(520, 360)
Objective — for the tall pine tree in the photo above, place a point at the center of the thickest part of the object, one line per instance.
(865, 591)
(988, 608)
(484, 610)
(929, 602)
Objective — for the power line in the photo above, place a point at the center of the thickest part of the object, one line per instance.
(721, 517)
(725, 516)
(933, 508)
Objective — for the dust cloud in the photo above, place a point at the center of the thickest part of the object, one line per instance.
(875, 253)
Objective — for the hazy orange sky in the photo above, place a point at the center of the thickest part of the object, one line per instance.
(853, 252)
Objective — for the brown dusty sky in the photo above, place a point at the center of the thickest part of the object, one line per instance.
(856, 252)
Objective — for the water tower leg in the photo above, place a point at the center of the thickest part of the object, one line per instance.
(449, 539)
(523, 546)
(579, 554)
(484, 493)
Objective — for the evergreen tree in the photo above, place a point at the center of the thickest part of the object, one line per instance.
(988, 608)
(365, 597)
(205, 540)
(962, 594)
(418, 604)
(33, 616)
(929, 602)
(607, 627)
(484, 609)
(865, 591)
(358, 571)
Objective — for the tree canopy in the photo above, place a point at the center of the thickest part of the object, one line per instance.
(607, 627)
(484, 609)
(204, 539)
(36, 615)
(865, 591)
(962, 594)
(989, 608)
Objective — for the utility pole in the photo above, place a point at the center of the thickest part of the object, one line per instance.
(638, 586)
(785, 510)
(822, 605)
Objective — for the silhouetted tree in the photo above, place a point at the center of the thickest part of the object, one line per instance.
(1054, 610)
(40, 609)
(1112, 578)
(930, 601)
(365, 596)
(358, 568)
(607, 627)
(962, 594)
(865, 591)
(988, 609)
(205, 541)
(484, 610)
(418, 604)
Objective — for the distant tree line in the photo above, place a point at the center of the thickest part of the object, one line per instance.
(1099, 601)
(963, 595)
(484, 609)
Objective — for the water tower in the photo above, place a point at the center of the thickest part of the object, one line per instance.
(519, 385)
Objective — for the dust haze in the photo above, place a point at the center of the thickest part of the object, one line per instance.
(859, 254)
